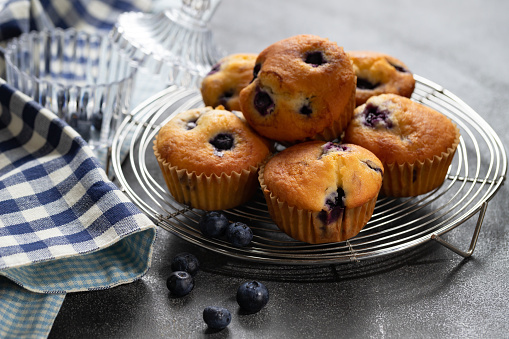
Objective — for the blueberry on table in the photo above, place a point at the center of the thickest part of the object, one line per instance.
(252, 296)
(213, 224)
(180, 283)
(185, 262)
(239, 234)
(216, 317)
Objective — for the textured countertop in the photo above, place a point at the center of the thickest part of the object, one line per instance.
(426, 292)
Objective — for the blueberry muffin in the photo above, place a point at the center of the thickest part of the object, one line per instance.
(415, 143)
(320, 192)
(210, 158)
(303, 89)
(222, 85)
(379, 73)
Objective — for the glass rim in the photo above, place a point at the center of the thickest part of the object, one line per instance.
(9, 50)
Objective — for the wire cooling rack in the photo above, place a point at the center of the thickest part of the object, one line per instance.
(476, 173)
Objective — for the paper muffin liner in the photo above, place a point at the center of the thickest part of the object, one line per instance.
(412, 179)
(213, 192)
(304, 225)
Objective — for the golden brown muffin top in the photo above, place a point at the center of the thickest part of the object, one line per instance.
(210, 141)
(399, 130)
(302, 84)
(222, 85)
(379, 73)
(311, 174)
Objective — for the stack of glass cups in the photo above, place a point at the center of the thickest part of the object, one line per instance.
(84, 78)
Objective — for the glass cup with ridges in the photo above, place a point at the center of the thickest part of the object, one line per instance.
(83, 78)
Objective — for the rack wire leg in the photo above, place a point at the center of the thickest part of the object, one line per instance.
(467, 254)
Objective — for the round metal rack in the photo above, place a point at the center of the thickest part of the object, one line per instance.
(476, 173)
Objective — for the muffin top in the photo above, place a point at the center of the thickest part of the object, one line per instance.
(222, 85)
(399, 130)
(210, 141)
(324, 176)
(301, 85)
(379, 73)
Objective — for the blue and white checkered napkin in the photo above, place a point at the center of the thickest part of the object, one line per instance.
(21, 16)
(64, 226)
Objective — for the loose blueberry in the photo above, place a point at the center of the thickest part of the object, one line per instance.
(222, 141)
(252, 296)
(214, 69)
(256, 70)
(180, 283)
(365, 84)
(315, 58)
(216, 318)
(213, 224)
(239, 234)
(185, 262)
(373, 116)
(334, 207)
(263, 102)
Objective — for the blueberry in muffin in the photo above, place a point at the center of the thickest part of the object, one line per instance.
(379, 73)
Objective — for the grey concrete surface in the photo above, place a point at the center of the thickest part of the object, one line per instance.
(427, 292)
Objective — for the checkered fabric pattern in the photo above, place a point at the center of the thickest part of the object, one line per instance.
(19, 321)
(64, 226)
(21, 16)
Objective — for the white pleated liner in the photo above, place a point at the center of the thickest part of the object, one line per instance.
(408, 180)
(304, 225)
(211, 192)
